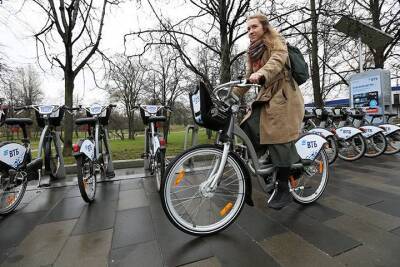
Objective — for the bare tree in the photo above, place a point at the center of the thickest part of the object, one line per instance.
(28, 86)
(79, 25)
(126, 84)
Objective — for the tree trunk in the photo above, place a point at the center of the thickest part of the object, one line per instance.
(131, 125)
(314, 57)
(225, 70)
(68, 121)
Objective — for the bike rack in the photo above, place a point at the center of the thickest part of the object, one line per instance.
(195, 135)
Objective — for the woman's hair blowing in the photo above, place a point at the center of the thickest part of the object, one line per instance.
(271, 36)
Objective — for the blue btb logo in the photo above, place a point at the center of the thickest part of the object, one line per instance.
(311, 144)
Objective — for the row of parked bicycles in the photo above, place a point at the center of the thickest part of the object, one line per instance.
(352, 133)
(204, 189)
(92, 154)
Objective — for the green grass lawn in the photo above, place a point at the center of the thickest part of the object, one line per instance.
(132, 149)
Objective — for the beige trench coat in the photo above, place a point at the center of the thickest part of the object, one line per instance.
(283, 109)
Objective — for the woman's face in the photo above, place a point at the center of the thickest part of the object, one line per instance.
(254, 29)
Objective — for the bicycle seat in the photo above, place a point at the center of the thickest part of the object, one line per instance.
(308, 116)
(157, 118)
(357, 116)
(18, 121)
(375, 115)
(83, 121)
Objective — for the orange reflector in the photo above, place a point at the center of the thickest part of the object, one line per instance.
(10, 199)
(180, 176)
(321, 167)
(226, 209)
(293, 182)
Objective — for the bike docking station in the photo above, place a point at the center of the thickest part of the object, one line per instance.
(195, 136)
(369, 90)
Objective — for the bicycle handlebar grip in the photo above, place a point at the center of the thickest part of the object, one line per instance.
(135, 106)
(112, 105)
(261, 81)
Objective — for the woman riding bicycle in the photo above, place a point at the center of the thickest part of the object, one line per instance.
(274, 119)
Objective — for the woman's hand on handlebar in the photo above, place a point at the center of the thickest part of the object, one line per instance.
(256, 78)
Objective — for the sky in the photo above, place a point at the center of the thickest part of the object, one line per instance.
(17, 26)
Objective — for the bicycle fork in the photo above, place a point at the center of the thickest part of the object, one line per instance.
(211, 183)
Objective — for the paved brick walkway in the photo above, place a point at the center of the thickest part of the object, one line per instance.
(356, 223)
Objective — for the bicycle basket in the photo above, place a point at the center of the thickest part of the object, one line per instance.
(207, 110)
(103, 117)
(145, 115)
(54, 119)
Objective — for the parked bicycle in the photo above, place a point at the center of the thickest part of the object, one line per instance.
(205, 187)
(48, 118)
(154, 145)
(93, 154)
(16, 166)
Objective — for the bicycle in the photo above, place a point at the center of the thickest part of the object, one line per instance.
(308, 125)
(205, 187)
(391, 132)
(154, 145)
(16, 166)
(374, 136)
(93, 161)
(48, 118)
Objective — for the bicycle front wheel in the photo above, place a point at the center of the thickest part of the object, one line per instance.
(52, 158)
(393, 143)
(12, 190)
(187, 198)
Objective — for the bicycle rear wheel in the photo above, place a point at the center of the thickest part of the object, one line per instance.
(88, 173)
(190, 204)
(52, 158)
(393, 143)
(353, 148)
(376, 145)
(312, 182)
(331, 149)
(159, 167)
(12, 190)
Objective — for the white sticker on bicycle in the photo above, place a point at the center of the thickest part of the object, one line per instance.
(323, 132)
(196, 102)
(389, 128)
(95, 109)
(347, 132)
(309, 146)
(156, 144)
(87, 148)
(45, 110)
(370, 130)
(12, 154)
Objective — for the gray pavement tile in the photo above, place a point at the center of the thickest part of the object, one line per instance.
(387, 206)
(290, 250)
(313, 231)
(257, 224)
(46, 200)
(14, 228)
(5, 252)
(131, 199)
(374, 217)
(42, 245)
(86, 250)
(351, 194)
(365, 257)
(73, 192)
(66, 209)
(144, 254)
(30, 195)
(233, 247)
(396, 231)
(178, 248)
(210, 262)
(317, 211)
(384, 243)
(131, 184)
(97, 216)
(133, 226)
(107, 192)
(149, 185)
(378, 186)
(155, 206)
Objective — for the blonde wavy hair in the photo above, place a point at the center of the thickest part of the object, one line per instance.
(271, 37)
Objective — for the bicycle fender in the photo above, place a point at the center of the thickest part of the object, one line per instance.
(347, 132)
(87, 148)
(389, 128)
(308, 146)
(12, 154)
(370, 130)
(247, 178)
(321, 131)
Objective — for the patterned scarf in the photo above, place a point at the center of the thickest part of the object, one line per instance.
(256, 50)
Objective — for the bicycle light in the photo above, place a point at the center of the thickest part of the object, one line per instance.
(75, 148)
(162, 142)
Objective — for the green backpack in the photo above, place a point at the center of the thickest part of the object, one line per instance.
(298, 66)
